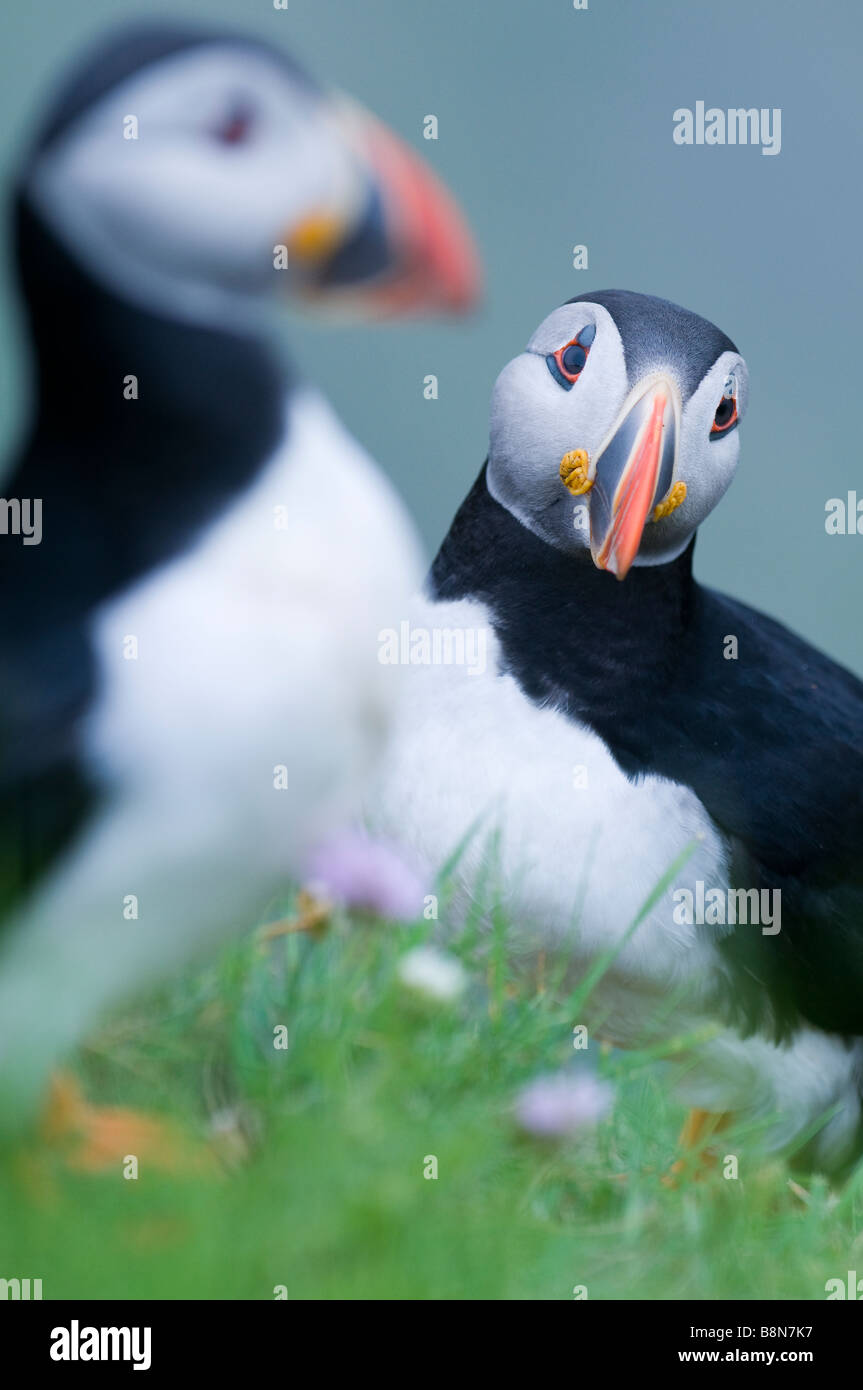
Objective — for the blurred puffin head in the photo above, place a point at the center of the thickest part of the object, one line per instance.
(616, 429)
(192, 172)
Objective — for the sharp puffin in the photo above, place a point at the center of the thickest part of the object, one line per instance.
(607, 726)
(189, 689)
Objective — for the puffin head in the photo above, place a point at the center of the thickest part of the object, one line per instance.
(616, 429)
(191, 171)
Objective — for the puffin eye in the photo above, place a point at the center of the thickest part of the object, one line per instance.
(567, 364)
(725, 419)
(236, 127)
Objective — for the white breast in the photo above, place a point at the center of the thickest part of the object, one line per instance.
(258, 649)
(581, 846)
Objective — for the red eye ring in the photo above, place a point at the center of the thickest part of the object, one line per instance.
(725, 425)
(567, 364)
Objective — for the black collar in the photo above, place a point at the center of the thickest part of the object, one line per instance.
(573, 635)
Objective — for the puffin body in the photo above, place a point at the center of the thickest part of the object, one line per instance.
(189, 695)
(629, 724)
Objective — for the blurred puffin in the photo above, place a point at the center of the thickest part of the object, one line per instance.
(611, 737)
(189, 688)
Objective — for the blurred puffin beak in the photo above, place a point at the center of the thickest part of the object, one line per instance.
(634, 472)
(400, 246)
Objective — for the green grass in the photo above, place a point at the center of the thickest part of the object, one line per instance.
(330, 1198)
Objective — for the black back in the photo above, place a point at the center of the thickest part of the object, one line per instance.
(771, 743)
(126, 485)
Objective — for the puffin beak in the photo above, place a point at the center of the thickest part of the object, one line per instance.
(401, 246)
(634, 471)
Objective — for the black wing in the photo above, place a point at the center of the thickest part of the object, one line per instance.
(792, 804)
(46, 685)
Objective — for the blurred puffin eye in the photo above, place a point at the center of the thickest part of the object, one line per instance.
(236, 127)
(567, 364)
(726, 416)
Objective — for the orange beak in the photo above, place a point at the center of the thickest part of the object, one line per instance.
(634, 468)
(406, 250)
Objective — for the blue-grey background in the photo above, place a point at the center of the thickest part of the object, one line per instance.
(556, 129)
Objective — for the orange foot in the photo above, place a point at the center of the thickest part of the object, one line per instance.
(312, 915)
(697, 1158)
(100, 1139)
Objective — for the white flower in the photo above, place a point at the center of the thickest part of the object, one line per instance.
(432, 973)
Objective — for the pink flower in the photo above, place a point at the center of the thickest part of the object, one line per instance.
(557, 1105)
(355, 871)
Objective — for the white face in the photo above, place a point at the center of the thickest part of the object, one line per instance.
(536, 420)
(232, 153)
